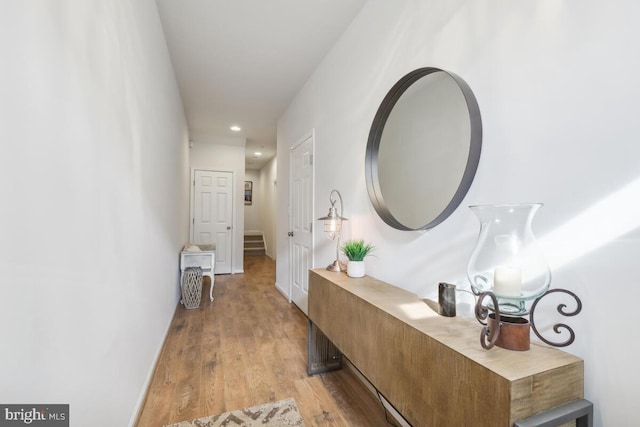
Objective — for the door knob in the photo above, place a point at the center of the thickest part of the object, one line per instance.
(228, 227)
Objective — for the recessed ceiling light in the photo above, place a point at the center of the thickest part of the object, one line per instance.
(257, 153)
(235, 128)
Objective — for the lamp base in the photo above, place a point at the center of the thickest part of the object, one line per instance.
(336, 266)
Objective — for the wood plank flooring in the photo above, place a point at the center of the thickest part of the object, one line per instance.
(248, 347)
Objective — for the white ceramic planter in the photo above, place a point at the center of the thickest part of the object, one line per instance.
(355, 268)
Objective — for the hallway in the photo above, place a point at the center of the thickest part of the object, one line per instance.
(247, 347)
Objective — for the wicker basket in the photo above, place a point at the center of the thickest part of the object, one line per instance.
(191, 287)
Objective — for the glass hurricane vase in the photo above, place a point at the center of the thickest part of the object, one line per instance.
(507, 259)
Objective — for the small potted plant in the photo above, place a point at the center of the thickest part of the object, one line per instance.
(356, 250)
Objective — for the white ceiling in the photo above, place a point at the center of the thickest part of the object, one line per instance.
(242, 61)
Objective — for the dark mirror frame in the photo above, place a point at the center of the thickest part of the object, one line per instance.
(375, 135)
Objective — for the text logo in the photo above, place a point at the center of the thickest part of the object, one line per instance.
(34, 415)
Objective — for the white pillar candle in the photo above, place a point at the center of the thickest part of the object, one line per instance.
(507, 282)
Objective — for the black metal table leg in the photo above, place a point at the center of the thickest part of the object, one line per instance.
(579, 410)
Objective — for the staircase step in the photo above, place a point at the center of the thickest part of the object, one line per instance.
(254, 244)
(254, 251)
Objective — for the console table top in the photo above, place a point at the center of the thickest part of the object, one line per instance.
(459, 333)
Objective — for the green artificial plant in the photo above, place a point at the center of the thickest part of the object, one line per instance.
(356, 250)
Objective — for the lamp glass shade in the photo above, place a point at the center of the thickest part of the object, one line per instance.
(332, 225)
(332, 222)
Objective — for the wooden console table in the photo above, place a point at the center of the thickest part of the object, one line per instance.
(432, 369)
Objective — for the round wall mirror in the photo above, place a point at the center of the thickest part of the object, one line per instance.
(423, 149)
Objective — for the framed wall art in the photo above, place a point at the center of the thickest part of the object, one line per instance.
(248, 192)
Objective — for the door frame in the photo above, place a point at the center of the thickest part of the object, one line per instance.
(192, 201)
(310, 134)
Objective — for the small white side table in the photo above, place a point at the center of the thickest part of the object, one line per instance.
(205, 259)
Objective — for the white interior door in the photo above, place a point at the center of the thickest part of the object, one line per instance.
(212, 217)
(301, 220)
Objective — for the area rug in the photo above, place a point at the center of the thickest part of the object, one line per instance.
(282, 413)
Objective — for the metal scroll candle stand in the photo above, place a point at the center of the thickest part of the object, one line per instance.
(509, 276)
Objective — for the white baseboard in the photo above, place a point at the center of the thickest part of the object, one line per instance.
(283, 292)
(145, 389)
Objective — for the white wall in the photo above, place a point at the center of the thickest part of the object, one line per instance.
(225, 154)
(267, 194)
(557, 87)
(94, 189)
(253, 212)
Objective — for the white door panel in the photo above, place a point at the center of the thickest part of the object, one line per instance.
(212, 214)
(301, 221)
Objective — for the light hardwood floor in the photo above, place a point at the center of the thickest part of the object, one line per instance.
(248, 347)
